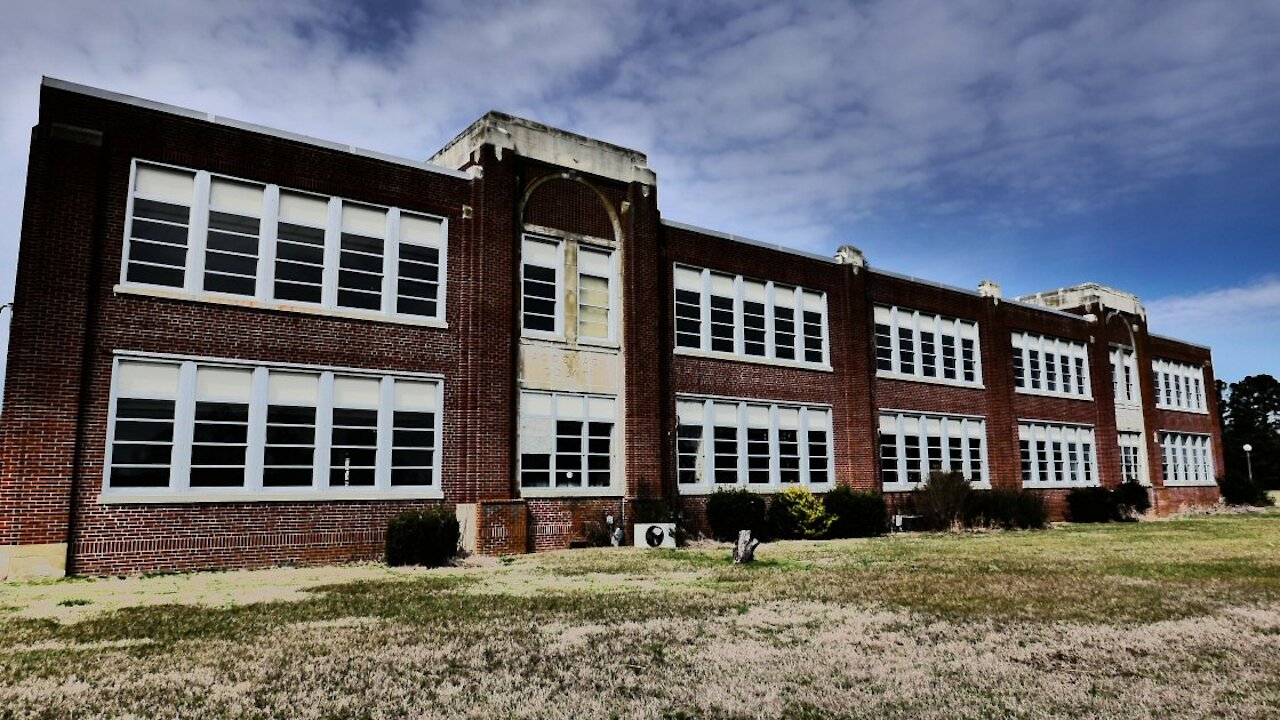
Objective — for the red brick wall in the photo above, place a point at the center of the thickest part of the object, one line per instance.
(502, 527)
(69, 322)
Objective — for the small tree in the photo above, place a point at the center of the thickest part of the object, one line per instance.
(1091, 505)
(730, 511)
(1131, 500)
(855, 514)
(1238, 489)
(796, 514)
(941, 501)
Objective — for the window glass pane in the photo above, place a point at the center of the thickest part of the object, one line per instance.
(541, 271)
(593, 294)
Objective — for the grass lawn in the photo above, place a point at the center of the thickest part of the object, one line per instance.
(1155, 619)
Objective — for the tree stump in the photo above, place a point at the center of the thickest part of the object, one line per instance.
(745, 550)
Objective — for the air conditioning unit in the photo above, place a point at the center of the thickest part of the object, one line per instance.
(908, 523)
(654, 535)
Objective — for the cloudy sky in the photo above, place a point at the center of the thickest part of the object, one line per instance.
(1037, 144)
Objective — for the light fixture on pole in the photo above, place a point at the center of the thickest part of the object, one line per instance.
(1248, 460)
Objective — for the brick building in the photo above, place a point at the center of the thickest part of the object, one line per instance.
(233, 346)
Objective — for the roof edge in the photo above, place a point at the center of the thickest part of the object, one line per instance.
(90, 91)
(749, 241)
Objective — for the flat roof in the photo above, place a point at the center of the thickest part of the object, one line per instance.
(242, 125)
(749, 241)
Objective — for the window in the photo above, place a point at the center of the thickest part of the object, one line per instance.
(566, 441)
(1056, 455)
(223, 430)
(353, 454)
(1132, 467)
(950, 444)
(212, 236)
(231, 246)
(756, 444)
(1053, 366)
(220, 437)
(1124, 369)
(1179, 386)
(722, 320)
(159, 226)
(546, 264)
(1187, 459)
(143, 439)
(300, 231)
(753, 318)
(912, 345)
(594, 271)
(418, 279)
(541, 282)
(749, 319)
(289, 455)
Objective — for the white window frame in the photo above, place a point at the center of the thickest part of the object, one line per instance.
(1135, 444)
(1041, 433)
(615, 294)
(899, 318)
(1187, 459)
(801, 303)
(558, 333)
(706, 484)
(263, 296)
(1191, 395)
(1051, 350)
(1128, 392)
(617, 483)
(970, 426)
(179, 490)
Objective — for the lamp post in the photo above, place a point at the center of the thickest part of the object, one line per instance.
(1248, 460)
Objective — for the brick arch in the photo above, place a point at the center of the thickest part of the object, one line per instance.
(567, 202)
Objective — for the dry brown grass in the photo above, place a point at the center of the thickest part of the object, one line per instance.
(1148, 620)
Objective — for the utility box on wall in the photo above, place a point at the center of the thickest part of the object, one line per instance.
(655, 535)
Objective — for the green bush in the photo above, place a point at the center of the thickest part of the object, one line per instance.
(1240, 490)
(796, 514)
(1132, 499)
(1092, 505)
(729, 511)
(1005, 508)
(855, 514)
(940, 502)
(422, 537)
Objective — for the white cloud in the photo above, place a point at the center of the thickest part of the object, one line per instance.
(1240, 323)
(789, 122)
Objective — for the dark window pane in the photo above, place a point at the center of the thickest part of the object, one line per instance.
(161, 211)
(135, 408)
(351, 280)
(411, 476)
(232, 243)
(298, 293)
(158, 454)
(365, 301)
(360, 243)
(300, 233)
(217, 477)
(139, 476)
(232, 284)
(160, 233)
(276, 455)
(286, 477)
(233, 223)
(222, 412)
(157, 253)
(152, 275)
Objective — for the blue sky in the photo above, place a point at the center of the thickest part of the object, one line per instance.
(1036, 144)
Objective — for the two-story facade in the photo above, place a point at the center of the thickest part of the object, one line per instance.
(233, 347)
